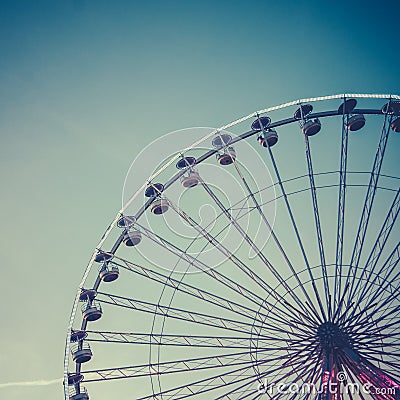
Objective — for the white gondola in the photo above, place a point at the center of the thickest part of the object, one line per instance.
(356, 122)
(91, 311)
(126, 222)
(311, 127)
(81, 352)
(190, 179)
(261, 123)
(221, 140)
(159, 206)
(78, 393)
(108, 272)
(132, 238)
(268, 138)
(227, 157)
(75, 391)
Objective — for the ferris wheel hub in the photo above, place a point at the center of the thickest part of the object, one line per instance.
(331, 336)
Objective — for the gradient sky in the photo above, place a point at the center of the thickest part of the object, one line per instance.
(85, 85)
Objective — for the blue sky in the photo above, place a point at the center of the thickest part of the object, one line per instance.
(85, 85)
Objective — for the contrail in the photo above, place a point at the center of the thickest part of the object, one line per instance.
(30, 383)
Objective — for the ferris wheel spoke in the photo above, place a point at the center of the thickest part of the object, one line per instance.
(254, 247)
(297, 233)
(384, 274)
(275, 238)
(310, 364)
(275, 313)
(370, 323)
(380, 243)
(388, 363)
(369, 200)
(196, 292)
(210, 386)
(257, 396)
(241, 265)
(312, 377)
(380, 353)
(370, 296)
(375, 338)
(204, 268)
(338, 315)
(381, 340)
(391, 344)
(354, 321)
(206, 386)
(301, 369)
(386, 320)
(226, 342)
(385, 314)
(377, 343)
(318, 226)
(223, 250)
(184, 315)
(309, 353)
(309, 375)
(368, 314)
(188, 316)
(190, 365)
(303, 373)
(238, 359)
(193, 388)
(341, 209)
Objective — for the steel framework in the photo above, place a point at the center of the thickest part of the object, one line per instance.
(316, 304)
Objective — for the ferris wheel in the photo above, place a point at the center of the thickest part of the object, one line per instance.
(256, 260)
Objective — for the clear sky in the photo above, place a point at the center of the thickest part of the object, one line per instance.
(85, 85)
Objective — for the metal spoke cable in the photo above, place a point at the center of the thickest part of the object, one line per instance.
(380, 243)
(226, 342)
(300, 369)
(181, 314)
(341, 207)
(273, 311)
(242, 266)
(254, 247)
(369, 200)
(296, 231)
(169, 367)
(200, 294)
(171, 392)
(274, 236)
(318, 226)
(205, 268)
(368, 323)
(390, 264)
